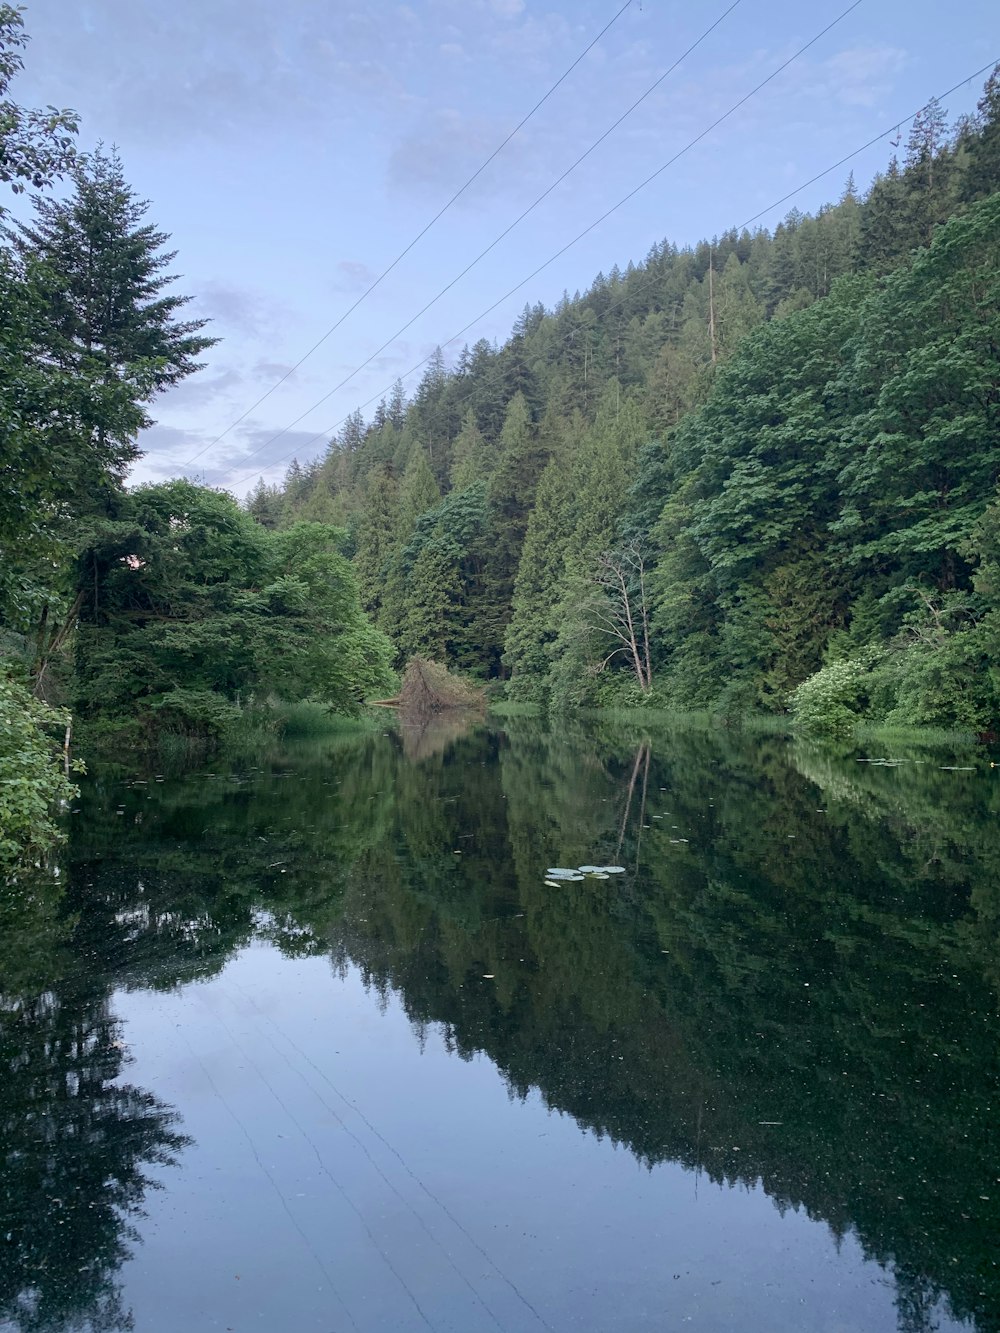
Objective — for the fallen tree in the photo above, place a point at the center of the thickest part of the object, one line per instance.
(429, 688)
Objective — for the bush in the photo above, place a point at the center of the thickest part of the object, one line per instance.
(32, 777)
(198, 714)
(833, 699)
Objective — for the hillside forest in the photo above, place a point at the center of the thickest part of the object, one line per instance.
(754, 473)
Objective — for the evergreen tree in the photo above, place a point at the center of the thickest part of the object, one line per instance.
(982, 175)
(538, 587)
(377, 534)
(101, 267)
(472, 458)
(98, 320)
(418, 493)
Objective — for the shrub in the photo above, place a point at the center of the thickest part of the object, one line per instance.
(833, 699)
(32, 777)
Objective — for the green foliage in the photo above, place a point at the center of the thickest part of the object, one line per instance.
(831, 701)
(192, 607)
(36, 147)
(32, 778)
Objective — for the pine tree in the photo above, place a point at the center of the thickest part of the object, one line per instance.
(418, 493)
(982, 176)
(377, 535)
(471, 459)
(100, 322)
(102, 270)
(538, 586)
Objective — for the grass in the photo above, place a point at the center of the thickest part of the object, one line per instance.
(935, 737)
(755, 724)
(309, 719)
(505, 708)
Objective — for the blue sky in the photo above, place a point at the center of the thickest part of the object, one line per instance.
(293, 151)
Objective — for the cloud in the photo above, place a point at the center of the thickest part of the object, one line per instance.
(163, 72)
(257, 450)
(234, 464)
(353, 276)
(863, 75)
(203, 388)
(445, 148)
(165, 450)
(272, 370)
(507, 9)
(239, 309)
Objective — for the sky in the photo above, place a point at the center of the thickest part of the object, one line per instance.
(293, 151)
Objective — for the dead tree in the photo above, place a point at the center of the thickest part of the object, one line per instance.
(620, 611)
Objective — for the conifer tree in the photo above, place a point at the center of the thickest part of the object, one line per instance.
(537, 588)
(101, 268)
(472, 459)
(377, 534)
(418, 493)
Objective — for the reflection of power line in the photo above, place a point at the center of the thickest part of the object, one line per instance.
(277, 1188)
(506, 232)
(636, 284)
(415, 1178)
(419, 236)
(326, 1170)
(576, 239)
(375, 1166)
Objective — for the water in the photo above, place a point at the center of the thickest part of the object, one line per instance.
(307, 1043)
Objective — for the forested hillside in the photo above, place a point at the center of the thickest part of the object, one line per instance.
(762, 464)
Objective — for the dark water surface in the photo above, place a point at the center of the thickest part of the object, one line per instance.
(307, 1043)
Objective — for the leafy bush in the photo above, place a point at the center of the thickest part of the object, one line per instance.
(833, 699)
(32, 777)
(198, 713)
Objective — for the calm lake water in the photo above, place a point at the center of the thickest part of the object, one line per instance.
(306, 1043)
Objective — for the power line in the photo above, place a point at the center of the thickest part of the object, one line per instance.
(586, 231)
(497, 239)
(419, 236)
(900, 120)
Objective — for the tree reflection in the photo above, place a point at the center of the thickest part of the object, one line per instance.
(794, 984)
(77, 1148)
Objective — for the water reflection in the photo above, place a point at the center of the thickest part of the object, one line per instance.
(77, 1145)
(795, 984)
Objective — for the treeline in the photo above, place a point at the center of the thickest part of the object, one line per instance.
(764, 462)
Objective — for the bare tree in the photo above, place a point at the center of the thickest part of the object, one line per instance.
(619, 609)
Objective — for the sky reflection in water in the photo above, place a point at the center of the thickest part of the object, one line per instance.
(388, 1079)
